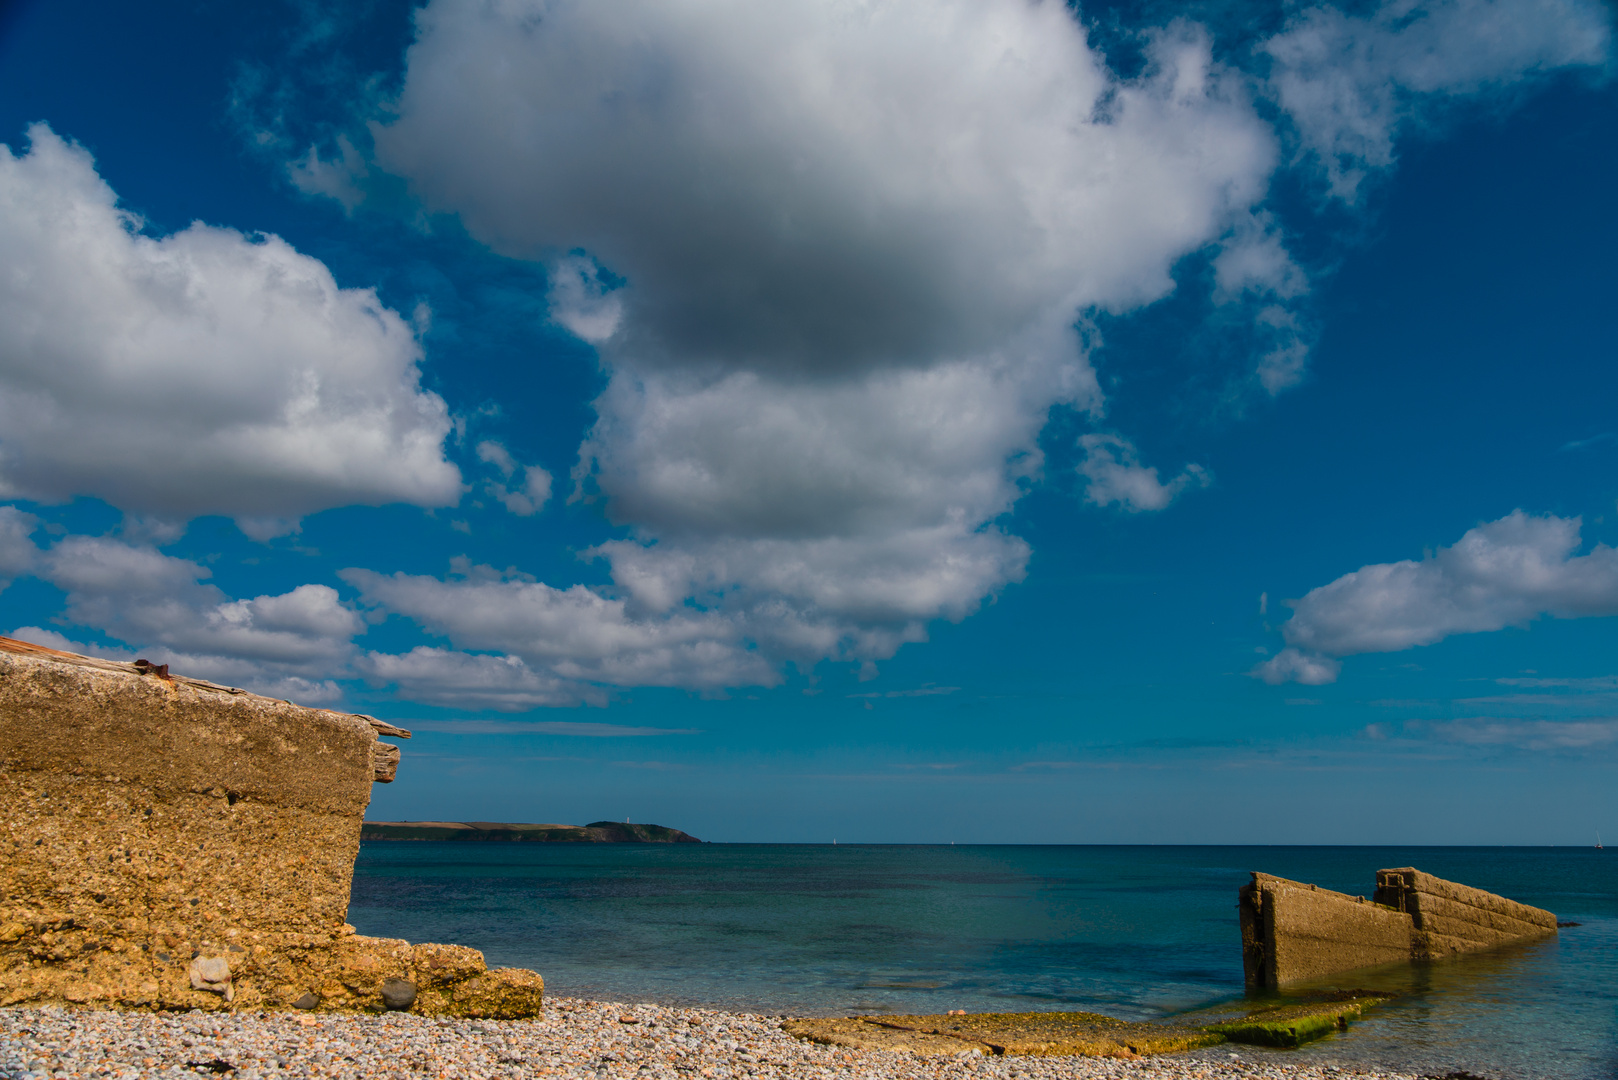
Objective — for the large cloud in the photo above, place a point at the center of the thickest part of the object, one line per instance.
(854, 240)
(820, 187)
(205, 372)
(1505, 573)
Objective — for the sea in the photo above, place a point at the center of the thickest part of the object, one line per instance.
(1133, 932)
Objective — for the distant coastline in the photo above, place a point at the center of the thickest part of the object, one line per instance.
(597, 832)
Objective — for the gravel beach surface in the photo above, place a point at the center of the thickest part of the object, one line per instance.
(576, 1038)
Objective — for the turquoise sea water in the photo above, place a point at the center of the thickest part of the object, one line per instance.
(1135, 932)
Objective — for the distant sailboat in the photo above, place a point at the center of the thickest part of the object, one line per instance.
(1598, 841)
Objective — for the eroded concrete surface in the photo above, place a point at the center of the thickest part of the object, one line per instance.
(172, 843)
(1292, 931)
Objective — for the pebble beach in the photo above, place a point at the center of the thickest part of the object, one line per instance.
(575, 1038)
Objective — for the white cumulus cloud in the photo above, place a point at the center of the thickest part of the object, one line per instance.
(204, 372)
(847, 245)
(816, 186)
(1503, 573)
(472, 680)
(571, 634)
(287, 645)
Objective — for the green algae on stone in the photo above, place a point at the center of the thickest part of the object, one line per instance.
(1294, 1025)
(1086, 1034)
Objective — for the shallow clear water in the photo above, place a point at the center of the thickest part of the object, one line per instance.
(1135, 932)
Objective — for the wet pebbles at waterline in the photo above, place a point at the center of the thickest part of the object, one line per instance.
(587, 1039)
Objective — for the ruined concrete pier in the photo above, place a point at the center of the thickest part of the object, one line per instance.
(172, 843)
(1292, 931)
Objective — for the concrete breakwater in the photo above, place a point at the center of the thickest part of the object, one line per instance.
(1292, 931)
(173, 843)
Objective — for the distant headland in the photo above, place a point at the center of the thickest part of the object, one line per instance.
(597, 832)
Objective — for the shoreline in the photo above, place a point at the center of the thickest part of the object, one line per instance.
(575, 1038)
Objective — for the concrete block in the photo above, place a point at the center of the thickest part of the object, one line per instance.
(1402, 888)
(1292, 931)
(1490, 924)
(1451, 918)
(171, 843)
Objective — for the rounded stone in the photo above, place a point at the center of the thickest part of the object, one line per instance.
(310, 1000)
(398, 994)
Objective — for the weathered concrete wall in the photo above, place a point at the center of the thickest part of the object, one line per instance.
(134, 797)
(169, 842)
(1450, 918)
(1292, 931)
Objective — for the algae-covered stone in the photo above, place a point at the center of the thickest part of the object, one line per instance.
(1294, 1025)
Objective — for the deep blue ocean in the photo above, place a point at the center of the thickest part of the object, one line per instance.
(1134, 932)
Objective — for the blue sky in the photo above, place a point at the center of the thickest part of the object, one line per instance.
(898, 422)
